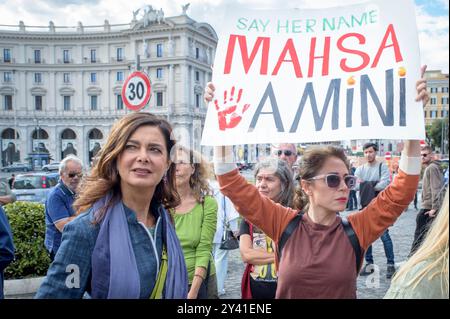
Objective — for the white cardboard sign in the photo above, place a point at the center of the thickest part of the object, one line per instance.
(316, 75)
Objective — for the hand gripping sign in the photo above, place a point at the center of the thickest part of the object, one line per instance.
(136, 91)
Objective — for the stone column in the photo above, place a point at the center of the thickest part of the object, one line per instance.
(185, 75)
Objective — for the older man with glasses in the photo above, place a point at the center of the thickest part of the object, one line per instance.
(286, 152)
(58, 207)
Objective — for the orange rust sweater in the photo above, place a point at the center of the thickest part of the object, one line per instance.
(318, 261)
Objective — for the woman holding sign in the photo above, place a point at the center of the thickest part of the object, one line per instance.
(124, 245)
(319, 253)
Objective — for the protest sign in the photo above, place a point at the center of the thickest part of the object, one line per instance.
(316, 75)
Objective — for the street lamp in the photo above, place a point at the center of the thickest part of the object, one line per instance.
(37, 128)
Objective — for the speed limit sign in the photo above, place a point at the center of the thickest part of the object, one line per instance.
(136, 91)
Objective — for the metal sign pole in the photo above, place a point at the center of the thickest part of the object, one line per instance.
(138, 62)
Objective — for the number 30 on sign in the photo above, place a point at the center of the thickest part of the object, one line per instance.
(136, 91)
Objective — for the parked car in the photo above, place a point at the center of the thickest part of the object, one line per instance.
(34, 187)
(51, 167)
(17, 167)
(244, 166)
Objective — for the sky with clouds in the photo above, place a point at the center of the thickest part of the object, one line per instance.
(432, 16)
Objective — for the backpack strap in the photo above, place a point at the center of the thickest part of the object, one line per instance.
(288, 232)
(351, 235)
(379, 171)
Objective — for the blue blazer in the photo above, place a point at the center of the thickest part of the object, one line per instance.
(73, 260)
(6, 247)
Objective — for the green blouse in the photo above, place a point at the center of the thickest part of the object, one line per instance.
(196, 230)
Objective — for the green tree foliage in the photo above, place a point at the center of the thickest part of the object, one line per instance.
(27, 222)
(434, 133)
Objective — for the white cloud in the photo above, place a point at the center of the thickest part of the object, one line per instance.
(433, 31)
(433, 40)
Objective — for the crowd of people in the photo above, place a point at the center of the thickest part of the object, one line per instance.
(149, 219)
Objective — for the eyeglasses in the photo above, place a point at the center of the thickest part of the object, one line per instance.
(72, 175)
(334, 180)
(425, 154)
(286, 152)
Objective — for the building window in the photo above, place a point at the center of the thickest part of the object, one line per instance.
(8, 103)
(93, 56)
(66, 77)
(159, 99)
(159, 50)
(93, 77)
(119, 102)
(7, 77)
(159, 73)
(433, 90)
(119, 54)
(38, 78)
(198, 98)
(66, 103)
(66, 57)
(94, 100)
(119, 76)
(433, 101)
(38, 103)
(433, 114)
(444, 100)
(37, 56)
(197, 76)
(6, 55)
(444, 89)
(197, 53)
(425, 114)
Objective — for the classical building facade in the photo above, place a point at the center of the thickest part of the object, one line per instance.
(60, 87)
(437, 86)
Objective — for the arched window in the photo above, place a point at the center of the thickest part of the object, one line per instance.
(95, 134)
(40, 134)
(94, 145)
(9, 134)
(68, 134)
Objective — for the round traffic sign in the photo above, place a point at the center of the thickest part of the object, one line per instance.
(136, 91)
(387, 156)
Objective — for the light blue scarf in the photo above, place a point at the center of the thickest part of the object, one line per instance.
(114, 271)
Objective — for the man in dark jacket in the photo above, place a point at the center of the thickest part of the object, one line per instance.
(6, 247)
(432, 188)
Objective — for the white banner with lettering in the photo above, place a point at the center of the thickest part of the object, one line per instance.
(316, 75)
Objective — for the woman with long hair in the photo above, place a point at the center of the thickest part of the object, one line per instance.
(321, 255)
(425, 274)
(123, 243)
(195, 221)
(273, 179)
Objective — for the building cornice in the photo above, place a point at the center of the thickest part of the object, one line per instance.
(123, 34)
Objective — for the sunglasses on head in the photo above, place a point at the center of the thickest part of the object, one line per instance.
(72, 175)
(334, 180)
(286, 152)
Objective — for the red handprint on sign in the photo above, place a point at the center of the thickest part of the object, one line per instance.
(228, 116)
